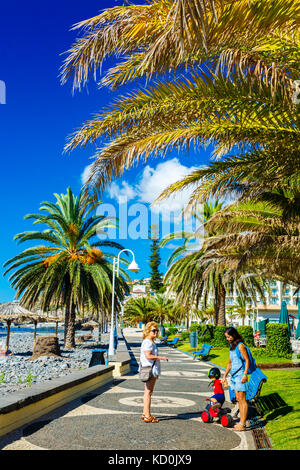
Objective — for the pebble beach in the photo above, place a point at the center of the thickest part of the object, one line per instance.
(19, 371)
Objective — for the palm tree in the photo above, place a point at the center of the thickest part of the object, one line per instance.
(196, 276)
(238, 114)
(165, 35)
(208, 313)
(165, 309)
(139, 309)
(240, 308)
(240, 60)
(205, 283)
(260, 235)
(71, 270)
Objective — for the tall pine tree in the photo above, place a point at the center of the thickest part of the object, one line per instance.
(156, 280)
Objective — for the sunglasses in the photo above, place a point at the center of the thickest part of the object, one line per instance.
(154, 331)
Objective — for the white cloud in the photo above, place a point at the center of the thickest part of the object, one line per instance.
(151, 183)
(155, 180)
(85, 174)
(134, 200)
(121, 193)
(115, 191)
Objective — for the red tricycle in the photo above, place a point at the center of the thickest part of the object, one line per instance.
(216, 411)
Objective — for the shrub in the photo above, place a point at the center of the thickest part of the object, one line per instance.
(172, 330)
(263, 353)
(246, 333)
(195, 327)
(278, 339)
(219, 339)
(185, 335)
(208, 336)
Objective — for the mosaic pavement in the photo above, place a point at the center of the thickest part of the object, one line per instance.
(109, 417)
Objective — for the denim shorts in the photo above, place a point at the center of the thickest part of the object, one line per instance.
(235, 383)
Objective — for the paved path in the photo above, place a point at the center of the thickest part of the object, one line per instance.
(109, 418)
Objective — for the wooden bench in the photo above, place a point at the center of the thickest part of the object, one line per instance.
(255, 383)
(204, 351)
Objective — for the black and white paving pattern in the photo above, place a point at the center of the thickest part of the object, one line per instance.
(109, 418)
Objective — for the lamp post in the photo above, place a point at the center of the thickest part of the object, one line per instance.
(116, 267)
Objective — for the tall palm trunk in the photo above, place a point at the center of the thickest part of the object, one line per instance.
(188, 321)
(222, 300)
(216, 306)
(100, 326)
(70, 328)
(67, 315)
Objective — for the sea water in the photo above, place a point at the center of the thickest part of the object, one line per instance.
(3, 330)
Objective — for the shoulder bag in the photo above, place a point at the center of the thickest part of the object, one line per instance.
(146, 373)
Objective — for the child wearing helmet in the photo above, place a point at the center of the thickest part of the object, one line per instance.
(218, 398)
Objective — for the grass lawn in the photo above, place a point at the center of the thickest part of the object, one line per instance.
(283, 422)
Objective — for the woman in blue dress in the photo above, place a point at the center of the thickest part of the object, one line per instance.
(238, 367)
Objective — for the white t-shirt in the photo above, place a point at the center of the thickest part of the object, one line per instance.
(148, 345)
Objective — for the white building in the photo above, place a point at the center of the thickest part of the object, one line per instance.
(138, 290)
(261, 313)
(269, 311)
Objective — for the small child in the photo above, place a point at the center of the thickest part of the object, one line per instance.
(218, 398)
(257, 338)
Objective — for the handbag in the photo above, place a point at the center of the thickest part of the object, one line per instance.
(146, 373)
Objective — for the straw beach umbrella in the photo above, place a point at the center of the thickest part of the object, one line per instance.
(90, 324)
(53, 316)
(13, 311)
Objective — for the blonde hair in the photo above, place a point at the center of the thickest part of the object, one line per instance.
(149, 327)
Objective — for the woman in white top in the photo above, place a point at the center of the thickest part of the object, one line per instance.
(149, 356)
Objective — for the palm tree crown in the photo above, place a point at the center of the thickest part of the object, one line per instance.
(69, 271)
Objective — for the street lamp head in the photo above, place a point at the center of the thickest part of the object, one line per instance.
(133, 267)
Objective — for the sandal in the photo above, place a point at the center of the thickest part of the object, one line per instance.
(143, 416)
(150, 419)
(239, 427)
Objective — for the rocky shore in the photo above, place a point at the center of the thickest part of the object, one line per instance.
(20, 371)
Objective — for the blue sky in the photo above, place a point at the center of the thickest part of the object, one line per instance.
(38, 116)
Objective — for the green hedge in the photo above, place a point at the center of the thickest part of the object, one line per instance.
(172, 330)
(195, 327)
(278, 339)
(185, 335)
(219, 339)
(208, 336)
(246, 333)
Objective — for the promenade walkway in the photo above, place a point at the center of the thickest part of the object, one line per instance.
(109, 417)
